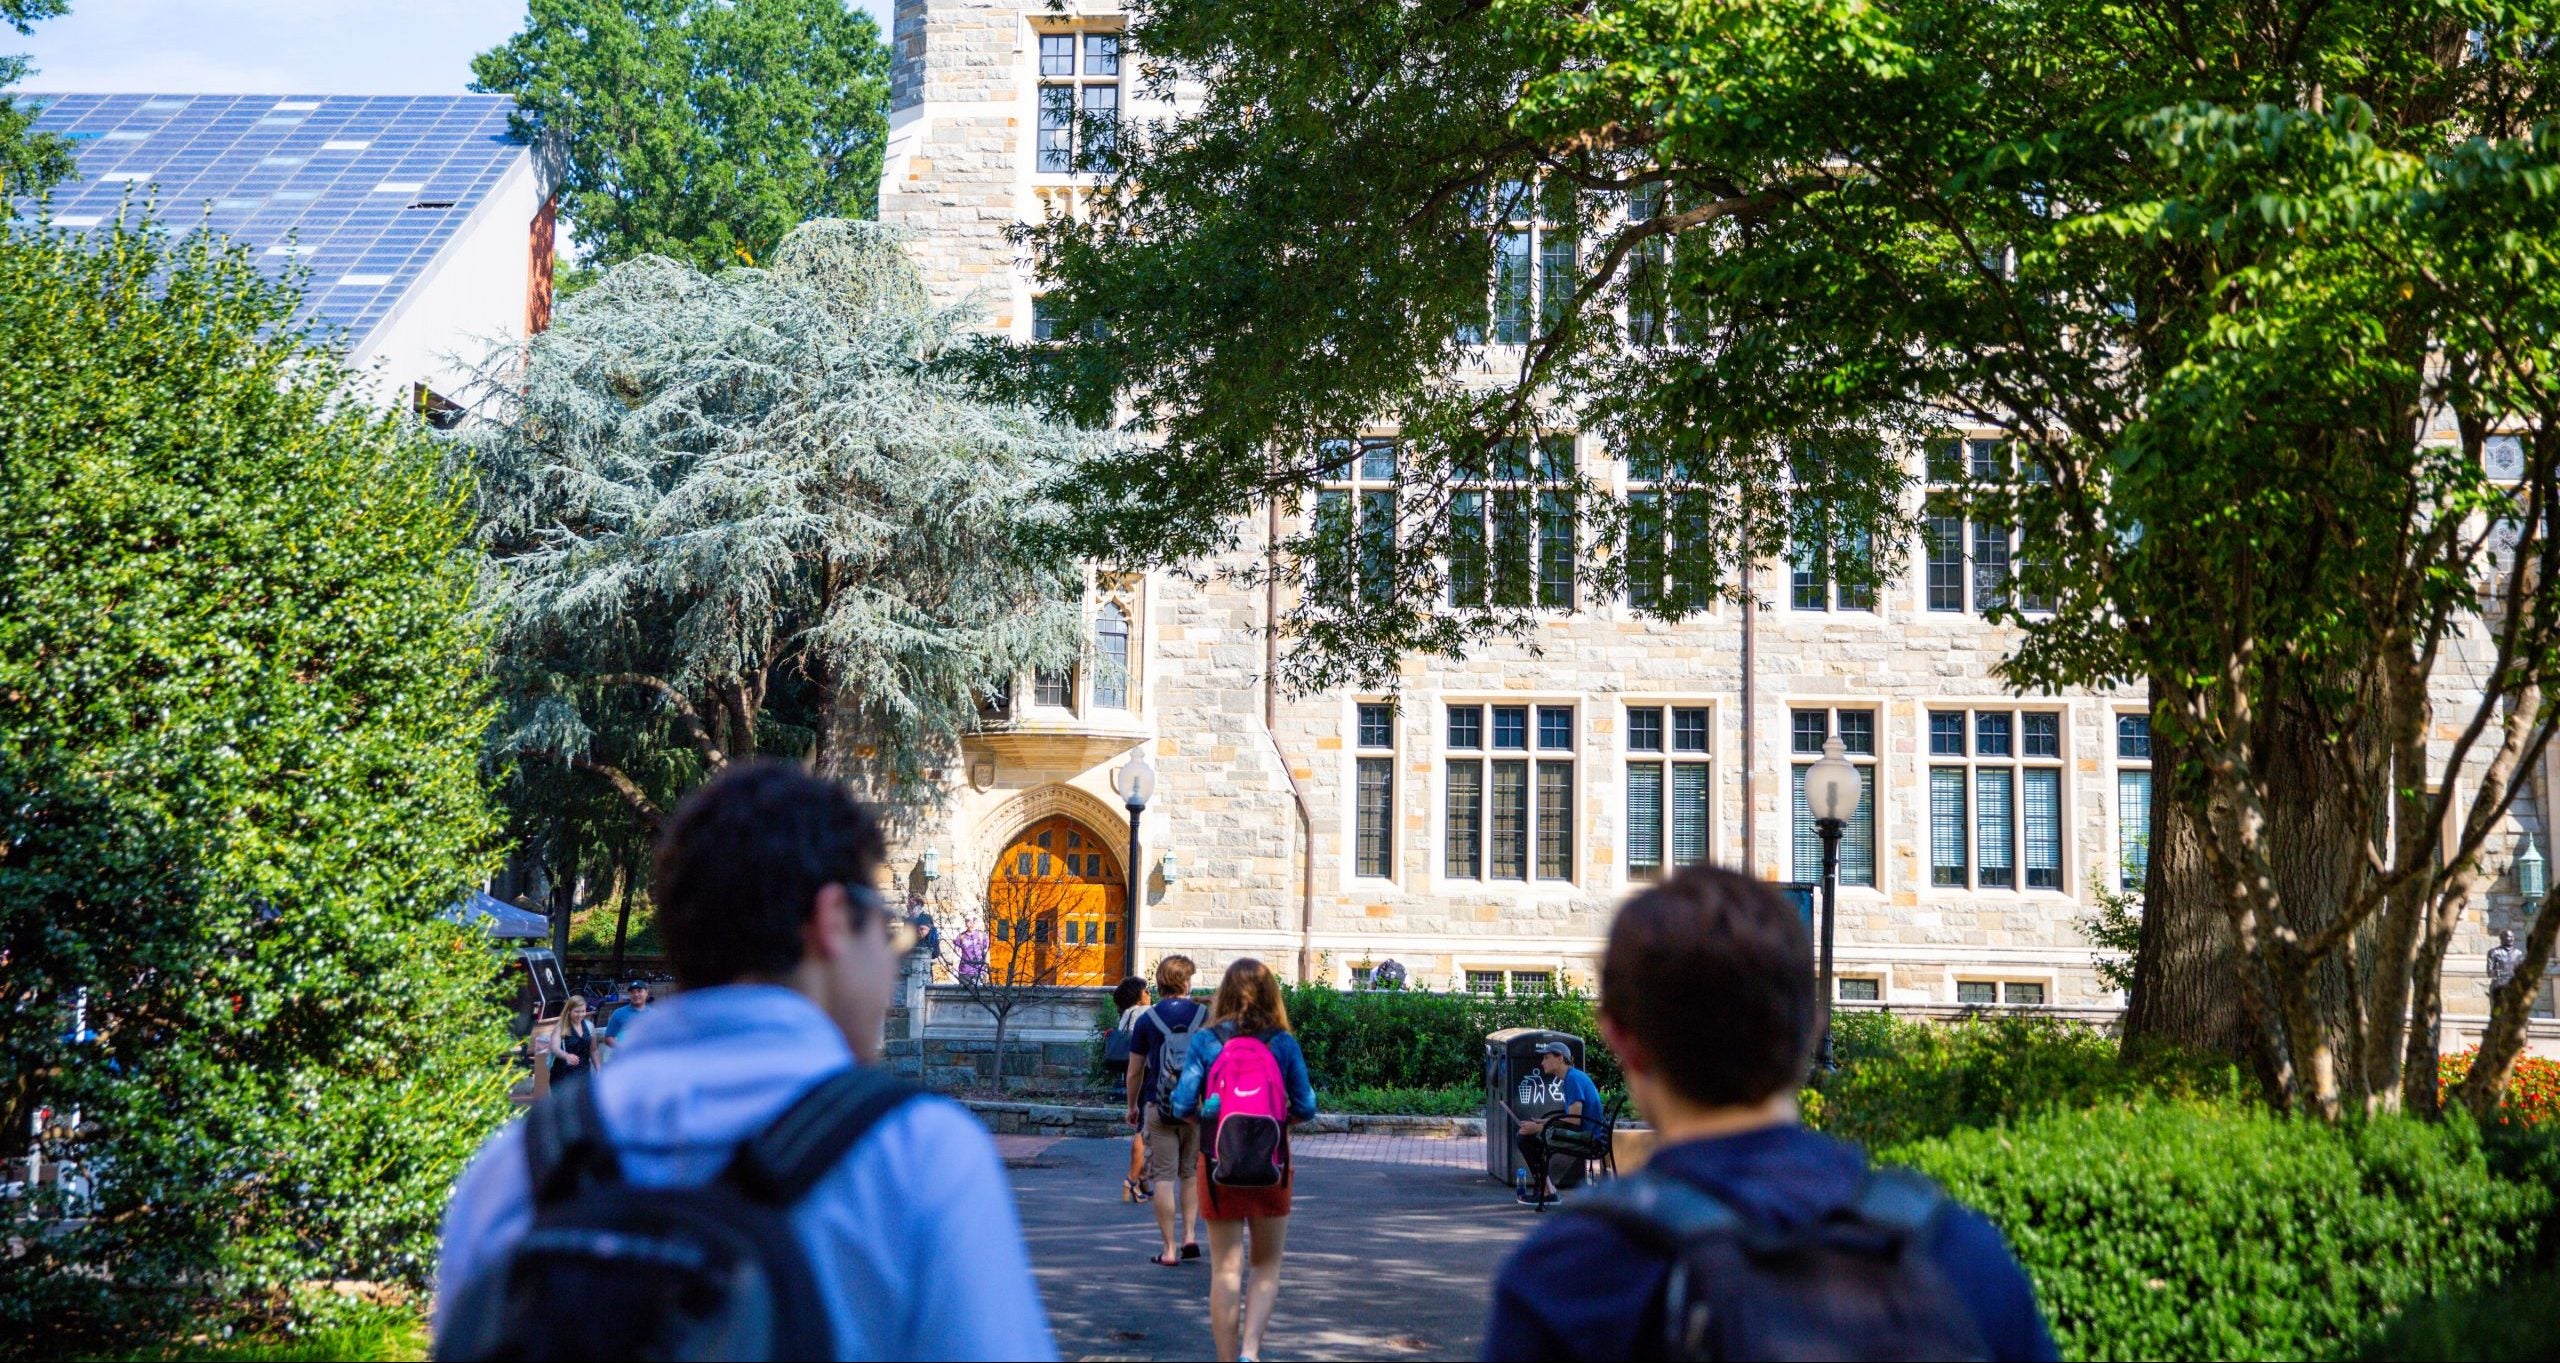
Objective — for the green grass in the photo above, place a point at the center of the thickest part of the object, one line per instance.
(373, 1334)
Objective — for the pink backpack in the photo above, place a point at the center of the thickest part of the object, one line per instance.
(1247, 1147)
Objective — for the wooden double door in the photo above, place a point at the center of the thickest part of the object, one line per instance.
(1054, 905)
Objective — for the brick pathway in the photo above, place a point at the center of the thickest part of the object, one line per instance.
(1430, 1152)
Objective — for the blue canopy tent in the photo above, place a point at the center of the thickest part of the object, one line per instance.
(502, 919)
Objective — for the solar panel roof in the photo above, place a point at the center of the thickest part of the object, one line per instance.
(358, 192)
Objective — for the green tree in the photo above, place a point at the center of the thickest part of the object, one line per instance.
(750, 512)
(240, 713)
(700, 129)
(30, 161)
(2220, 273)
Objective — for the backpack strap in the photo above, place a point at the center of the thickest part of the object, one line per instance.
(1900, 1201)
(780, 1164)
(565, 1145)
(1659, 1211)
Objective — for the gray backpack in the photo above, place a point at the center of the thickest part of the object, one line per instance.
(1175, 1052)
(611, 1269)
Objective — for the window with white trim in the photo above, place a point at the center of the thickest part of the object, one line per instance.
(1969, 563)
(1356, 520)
(1513, 536)
(1670, 554)
(1995, 799)
(1079, 103)
(1808, 728)
(2133, 801)
(1536, 234)
(1859, 989)
(1668, 791)
(1648, 271)
(1509, 793)
(1511, 981)
(1111, 658)
(1374, 790)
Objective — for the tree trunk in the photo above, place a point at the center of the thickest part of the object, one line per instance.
(1001, 1086)
(622, 914)
(2187, 985)
(2190, 986)
(564, 900)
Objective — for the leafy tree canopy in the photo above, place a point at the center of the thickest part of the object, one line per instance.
(2215, 272)
(240, 709)
(701, 129)
(750, 512)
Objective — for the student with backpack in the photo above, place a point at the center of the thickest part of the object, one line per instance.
(746, 1180)
(1128, 998)
(1159, 1047)
(1245, 1081)
(1788, 1244)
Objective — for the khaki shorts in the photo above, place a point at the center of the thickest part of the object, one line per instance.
(1173, 1148)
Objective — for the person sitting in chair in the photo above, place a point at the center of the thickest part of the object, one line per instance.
(1581, 1100)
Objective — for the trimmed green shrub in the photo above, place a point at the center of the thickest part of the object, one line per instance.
(1410, 1038)
(1458, 1101)
(1902, 1081)
(2181, 1231)
(241, 708)
(2515, 1321)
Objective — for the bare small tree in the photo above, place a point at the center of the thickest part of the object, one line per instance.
(1011, 951)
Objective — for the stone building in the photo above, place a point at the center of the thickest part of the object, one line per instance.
(1478, 825)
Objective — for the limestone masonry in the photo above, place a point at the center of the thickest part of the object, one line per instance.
(1478, 825)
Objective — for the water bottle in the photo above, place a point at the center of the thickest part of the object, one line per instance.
(1520, 1179)
(1209, 1106)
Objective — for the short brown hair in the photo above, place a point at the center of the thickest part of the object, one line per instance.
(1712, 974)
(1250, 997)
(1173, 976)
(741, 861)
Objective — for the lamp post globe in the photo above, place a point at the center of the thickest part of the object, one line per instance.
(1832, 793)
(2532, 876)
(1136, 783)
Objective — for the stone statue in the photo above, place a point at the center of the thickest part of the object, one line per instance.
(2504, 960)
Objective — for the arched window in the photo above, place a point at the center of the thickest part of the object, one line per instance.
(1111, 643)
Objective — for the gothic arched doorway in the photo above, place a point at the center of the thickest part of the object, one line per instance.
(1053, 907)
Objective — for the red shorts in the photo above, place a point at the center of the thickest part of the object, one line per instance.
(1219, 1203)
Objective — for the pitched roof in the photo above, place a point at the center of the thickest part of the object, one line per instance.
(360, 192)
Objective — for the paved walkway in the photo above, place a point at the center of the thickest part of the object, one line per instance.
(1391, 1252)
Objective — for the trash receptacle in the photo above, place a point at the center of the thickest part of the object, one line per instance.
(1512, 1084)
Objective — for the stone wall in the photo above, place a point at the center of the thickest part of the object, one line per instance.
(959, 174)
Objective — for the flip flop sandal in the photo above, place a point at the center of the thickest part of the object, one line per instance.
(1192, 1250)
(1162, 1262)
(1129, 1191)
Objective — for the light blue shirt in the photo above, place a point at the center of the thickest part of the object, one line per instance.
(913, 1238)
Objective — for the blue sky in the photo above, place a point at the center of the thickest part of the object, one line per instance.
(321, 47)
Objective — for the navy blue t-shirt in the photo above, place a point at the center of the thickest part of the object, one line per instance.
(1152, 1030)
(1579, 1288)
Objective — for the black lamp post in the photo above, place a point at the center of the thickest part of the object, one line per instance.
(1136, 783)
(1831, 795)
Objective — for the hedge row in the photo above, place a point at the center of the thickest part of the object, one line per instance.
(1901, 1080)
(2178, 1230)
(1413, 1039)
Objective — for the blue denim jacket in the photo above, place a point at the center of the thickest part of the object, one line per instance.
(1204, 1050)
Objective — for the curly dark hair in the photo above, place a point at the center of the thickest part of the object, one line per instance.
(740, 863)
